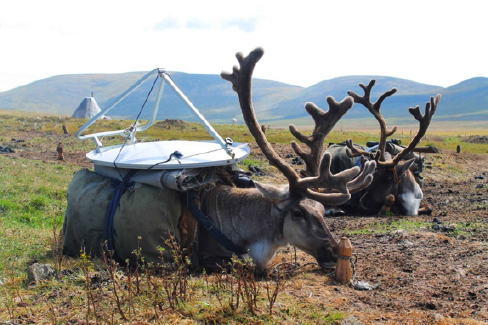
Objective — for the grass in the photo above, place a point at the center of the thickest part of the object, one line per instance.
(33, 197)
(416, 224)
(32, 204)
(445, 138)
(388, 226)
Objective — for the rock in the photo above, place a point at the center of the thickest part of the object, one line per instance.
(436, 227)
(479, 177)
(365, 286)
(438, 317)
(351, 320)
(479, 185)
(398, 232)
(297, 161)
(38, 272)
(259, 171)
(437, 221)
(6, 149)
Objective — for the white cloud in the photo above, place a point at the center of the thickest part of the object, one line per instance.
(305, 41)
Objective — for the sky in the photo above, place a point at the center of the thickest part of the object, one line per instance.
(433, 42)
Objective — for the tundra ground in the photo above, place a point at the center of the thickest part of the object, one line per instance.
(428, 272)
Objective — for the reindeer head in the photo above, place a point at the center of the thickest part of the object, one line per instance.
(392, 176)
(301, 198)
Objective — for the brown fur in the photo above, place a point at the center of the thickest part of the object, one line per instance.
(251, 219)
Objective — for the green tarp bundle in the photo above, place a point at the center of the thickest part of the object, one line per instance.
(143, 219)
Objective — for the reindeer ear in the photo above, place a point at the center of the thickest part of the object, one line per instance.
(402, 168)
(274, 193)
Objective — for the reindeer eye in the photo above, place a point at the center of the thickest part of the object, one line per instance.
(297, 214)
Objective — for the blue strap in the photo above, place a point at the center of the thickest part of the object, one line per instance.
(120, 187)
(210, 227)
(372, 148)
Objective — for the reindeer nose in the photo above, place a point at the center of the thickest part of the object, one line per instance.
(332, 252)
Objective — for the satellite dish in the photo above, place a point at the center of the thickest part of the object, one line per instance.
(155, 155)
(161, 154)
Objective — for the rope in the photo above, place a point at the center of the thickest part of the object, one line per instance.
(190, 156)
(296, 268)
(176, 155)
(131, 128)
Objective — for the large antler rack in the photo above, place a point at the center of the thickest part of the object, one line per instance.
(424, 122)
(339, 185)
(374, 108)
(324, 123)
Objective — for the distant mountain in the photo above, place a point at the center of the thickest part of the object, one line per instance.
(214, 97)
(409, 93)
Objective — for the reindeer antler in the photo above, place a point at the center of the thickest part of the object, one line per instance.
(424, 122)
(324, 123)
(374, 108)
(356, 152)
(241, 84)
(340, 184)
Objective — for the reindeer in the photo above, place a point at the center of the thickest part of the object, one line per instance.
(268, 217)
(259, 220)
(393, 173)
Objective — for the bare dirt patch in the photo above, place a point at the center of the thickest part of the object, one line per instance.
(476, 139)
(429, 272)
(168, 123)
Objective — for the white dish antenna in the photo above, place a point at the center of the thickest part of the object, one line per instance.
(161, 154)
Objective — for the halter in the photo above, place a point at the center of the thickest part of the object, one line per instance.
(395, 175)
(286, 209)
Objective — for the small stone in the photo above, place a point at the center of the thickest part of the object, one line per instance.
(461, 237)
(479, 185)
(436, 227)
(437, 221)
(398, 232)
(38, 272)
(438, 317)
(351, 320)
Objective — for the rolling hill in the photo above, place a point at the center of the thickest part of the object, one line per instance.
(214, 97)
